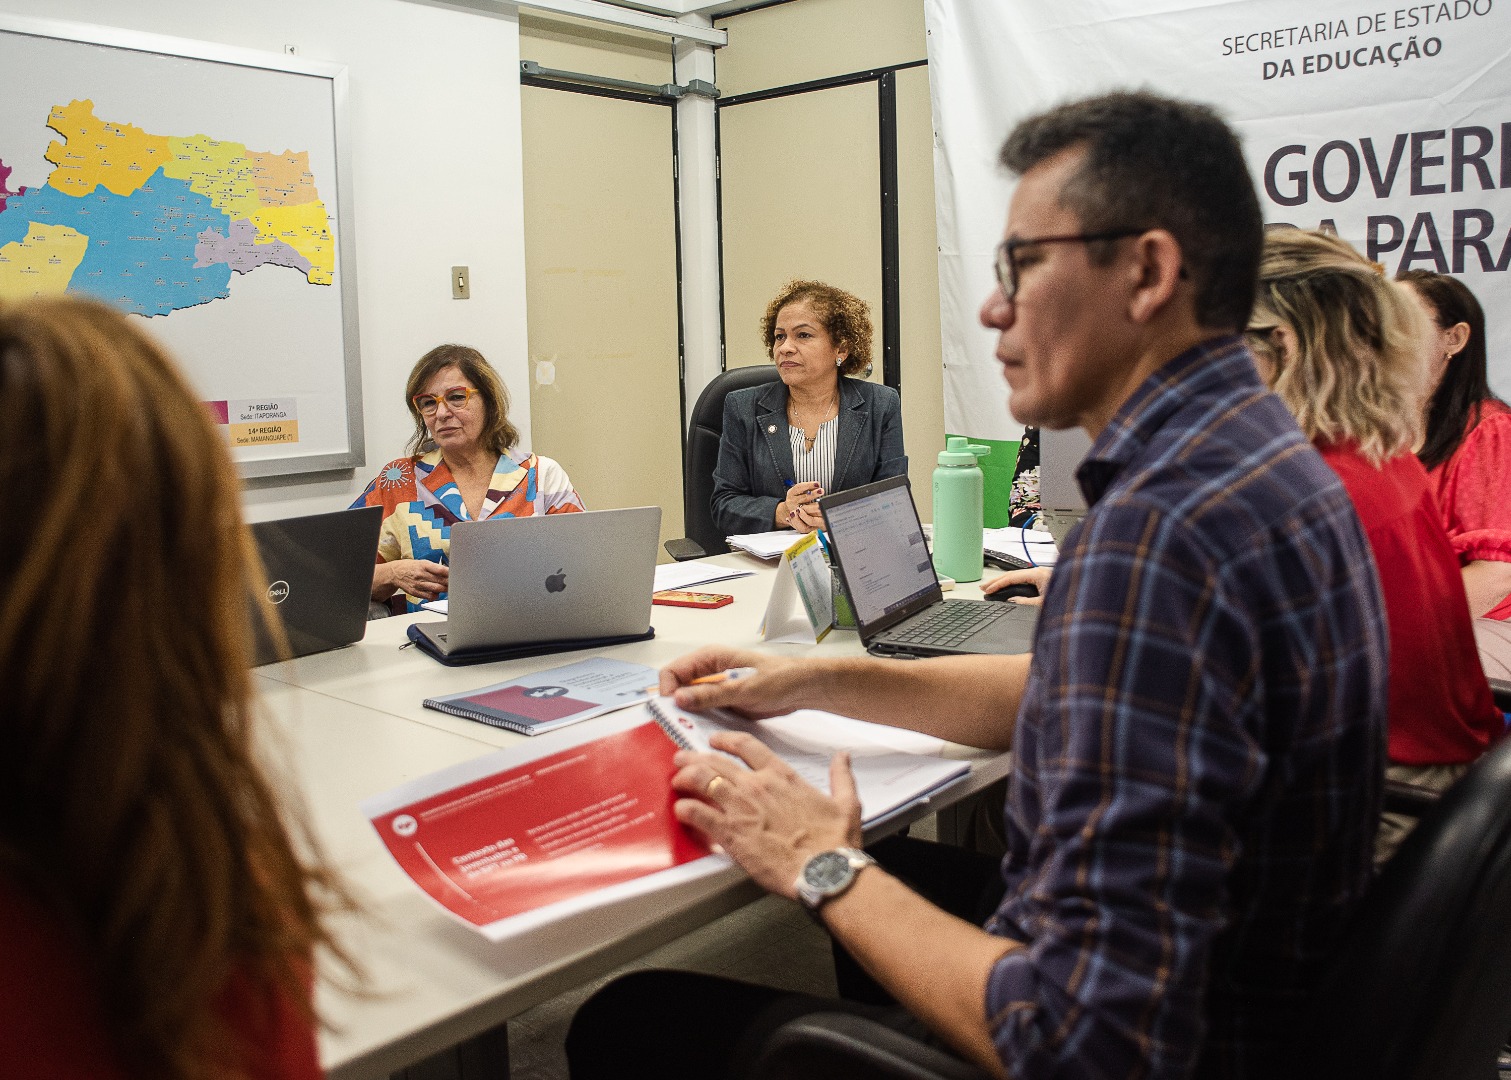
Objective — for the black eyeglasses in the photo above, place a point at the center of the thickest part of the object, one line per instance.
(1007, 252)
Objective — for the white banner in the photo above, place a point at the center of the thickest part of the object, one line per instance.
(1391, 125)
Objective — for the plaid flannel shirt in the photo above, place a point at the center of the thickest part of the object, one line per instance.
(1199, 755)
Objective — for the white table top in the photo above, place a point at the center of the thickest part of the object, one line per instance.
(352, 725)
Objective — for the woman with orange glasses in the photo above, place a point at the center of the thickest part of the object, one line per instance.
(463, 465)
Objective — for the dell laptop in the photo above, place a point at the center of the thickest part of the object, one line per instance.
(877, 542)
(320, 577)
(546, 583)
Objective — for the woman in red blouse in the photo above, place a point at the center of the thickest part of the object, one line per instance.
(1343, 348)
(1467, 444)
(159, 899)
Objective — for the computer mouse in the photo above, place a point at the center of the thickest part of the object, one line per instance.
(1024, 588)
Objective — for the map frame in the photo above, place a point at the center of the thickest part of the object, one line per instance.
(335, 193)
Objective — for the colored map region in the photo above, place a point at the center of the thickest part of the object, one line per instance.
(5, 191)
(156, 223)
(42, 262)
(117, 157)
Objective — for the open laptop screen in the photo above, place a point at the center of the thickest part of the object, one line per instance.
(880, 546)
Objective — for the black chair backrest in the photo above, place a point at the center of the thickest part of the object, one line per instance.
(1420, 986)
(702, 454)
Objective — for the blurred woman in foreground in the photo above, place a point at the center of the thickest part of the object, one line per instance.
(1344, 349)
(158, 915)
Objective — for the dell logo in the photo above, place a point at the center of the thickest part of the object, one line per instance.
(557, 582)
(278, 592)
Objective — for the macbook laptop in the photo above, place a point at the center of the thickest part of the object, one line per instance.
(320, 574)
(1060, 454)
(877, 542)
(549, 579)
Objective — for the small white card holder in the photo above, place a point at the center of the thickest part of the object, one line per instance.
(801, 608)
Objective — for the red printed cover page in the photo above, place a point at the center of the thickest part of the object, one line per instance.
(546, 831)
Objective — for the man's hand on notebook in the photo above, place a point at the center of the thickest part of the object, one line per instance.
(762, 686)
(767, 818)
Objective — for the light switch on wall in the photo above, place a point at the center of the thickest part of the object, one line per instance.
(461, 283)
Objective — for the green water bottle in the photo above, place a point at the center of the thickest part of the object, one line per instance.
(959, 509)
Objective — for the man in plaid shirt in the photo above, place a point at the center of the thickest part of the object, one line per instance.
(1199, 741)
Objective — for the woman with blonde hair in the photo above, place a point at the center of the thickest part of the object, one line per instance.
(1345, 350)
(159, 902)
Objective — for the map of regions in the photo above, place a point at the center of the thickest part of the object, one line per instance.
(141, 248)
(156, 223)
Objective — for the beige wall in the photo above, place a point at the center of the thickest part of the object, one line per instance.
(800, 200)
(601, 291)
(801, 185)
(587, 47)
(816, 39)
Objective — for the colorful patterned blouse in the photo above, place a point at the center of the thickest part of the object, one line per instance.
(421, 501)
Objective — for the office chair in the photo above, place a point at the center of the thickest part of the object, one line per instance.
(702, 454)
(1419, 987)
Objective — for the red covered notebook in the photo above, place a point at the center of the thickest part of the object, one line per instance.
(521, 832)
(580, 819)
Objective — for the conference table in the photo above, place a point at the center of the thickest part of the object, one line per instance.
(350, 723)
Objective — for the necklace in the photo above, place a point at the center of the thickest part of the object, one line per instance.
(813, 423)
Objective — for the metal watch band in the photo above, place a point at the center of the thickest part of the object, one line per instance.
(829, 874)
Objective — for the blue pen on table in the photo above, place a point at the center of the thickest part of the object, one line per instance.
(723, 676)
(823, 542)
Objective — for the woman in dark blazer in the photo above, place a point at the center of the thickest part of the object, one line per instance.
(818, 430)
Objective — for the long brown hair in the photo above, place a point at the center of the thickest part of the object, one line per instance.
(1455, 406)
(498, 435)
(132, 802)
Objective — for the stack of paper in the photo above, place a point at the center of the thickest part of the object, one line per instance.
(893, 768)
(1029, 546)
(766, 545)
(684, 575)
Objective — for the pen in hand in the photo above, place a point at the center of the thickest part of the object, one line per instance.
(723, 676)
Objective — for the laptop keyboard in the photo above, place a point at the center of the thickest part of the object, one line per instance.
(949, 624)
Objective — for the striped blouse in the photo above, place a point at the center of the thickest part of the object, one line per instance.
(816, 464)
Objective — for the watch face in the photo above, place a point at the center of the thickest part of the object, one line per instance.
(827, 870)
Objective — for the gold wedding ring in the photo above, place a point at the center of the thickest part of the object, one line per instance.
(708, 792)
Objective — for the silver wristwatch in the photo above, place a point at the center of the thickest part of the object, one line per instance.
(829, 873)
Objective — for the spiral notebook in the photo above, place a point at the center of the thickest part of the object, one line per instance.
(580, 820)
(894, 768)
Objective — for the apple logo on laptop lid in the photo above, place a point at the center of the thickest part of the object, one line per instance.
(557, 582)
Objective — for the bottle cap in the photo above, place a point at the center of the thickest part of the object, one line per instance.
(961, 451)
